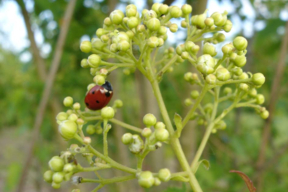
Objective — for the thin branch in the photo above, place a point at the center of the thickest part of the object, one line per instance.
(47, 90)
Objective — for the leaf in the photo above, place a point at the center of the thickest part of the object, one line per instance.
(205, 163)
(247, 180)
(178, 123)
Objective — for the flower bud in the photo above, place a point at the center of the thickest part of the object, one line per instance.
(99, 79)
(194, 94)
(205, 64)
(258, 79)
(209, 21)
(237, 71)
(118, 103)
(132, 22)
(90, 129)
(184, 24)
(48, 176)
(240, 43)
(146, 179)
(94, 60)
(199, 20)
(185, 55)
(243, 76)
(107, 21)
(80, 122)
(68, 168)
(160, 42)
(155, 7)
(211, 79)
(180, 49)
(153, 42)
(209, 49)
(130, 34)
(131, 10)
(252, 92)
(87, 140)
(100, 32)
(219, 19)
(159, 125)
(116, 17)
(56, 185)
(163, 9)
(208, 108)
(73, 117)
(140, 28)
(56, 163)
(164, 175)
(227, 90)
(186, 9)
(146, 132)
(93, 71)
(200, 121)
(244, 86)
(98, 44)
(162, 30)
(127, 138)
(227, 49)
(137, 144)
(157, 182)
(58, 177)
(239, 60)
(99, 130)
(228, 26)
(221, 125)
(61, 116)
(264, 114)
(107, 113)
(223, 74)
(76, 106)
(84, 63)
(173, 28)
(161, 134)
(220, 37)
(260, 99)
(149, 120)
(188, 102)
(85, 46)
(188, 76)
(68, 129)
(90, 86)
(175, 12)
(123, 45)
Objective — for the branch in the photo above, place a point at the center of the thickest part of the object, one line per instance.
(47, 90)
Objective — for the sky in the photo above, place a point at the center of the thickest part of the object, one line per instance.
(13, 35)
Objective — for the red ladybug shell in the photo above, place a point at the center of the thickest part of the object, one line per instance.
(99, 96)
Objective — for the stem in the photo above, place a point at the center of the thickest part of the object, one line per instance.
(198, 100)
(234, 81)
(164, 69)
(88, 169)
(108, 181)
(117, 64)
(105, 132)
(125, 125)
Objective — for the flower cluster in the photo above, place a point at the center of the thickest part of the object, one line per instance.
(136, 41)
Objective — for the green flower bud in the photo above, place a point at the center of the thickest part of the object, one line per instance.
(157, 182)
(105, 38)
(99, 79)
(149, 120)
(86, 46)
(123, 45)
(76, 106)
(185, 55)
(94, 60)
(160, 42)
(130, 34)
(188, 76)
(209, 22)
(68, 168)
(98, 44)
(199, 20)
(93, 71)
(140, 28)
(147, 15)
(221, 125)
(100, 32)
(118, 103)
(113, 48)
(131, 10)
(189, 45)
(73, 117)
(223, 74)
(237, 71)
(87, 140)
(116, 17)
(188, 102)
(164, 175)
(194, 94)
(227, 49)
(68, 129)
(243, 76)
(107, 113)
(180, 49)
(244, 86)
(84, 63)
(159, 125)
(227, 90)
(161, 134)
(153, 42)
(219, 19)
(90, 86)
(211, 79)
(258, 79)
(163, 9)
(175, 12)
(58, 177)
(264, 114)
(200, 121)
(107, 21)
(146, 179)
(184, 24)
(56, 163)
(195, 48)
(99, 130)
(209, 49)
(155, 7)
(239, 60)
(228, 26)
(61, 116)
(240, 43)
(132, 22)
(120, 36)
(220, 37)
(260, 99)
(205, 64)
(173, 28)
(186, 9)
(90, 129)
(146, 132)
(208, 108)
(56, 185)
(137, 144)
(48, 176)
(252, 92)
(162, 30)
(127, 138)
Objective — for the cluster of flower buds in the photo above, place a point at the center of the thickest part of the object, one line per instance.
(61, 169)
(147, 180)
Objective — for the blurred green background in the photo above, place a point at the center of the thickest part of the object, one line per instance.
(237, 148)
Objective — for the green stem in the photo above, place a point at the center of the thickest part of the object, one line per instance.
(88, 169)
(234, 81)
(117, 64)
(108, 181)
(105, 133)
(125, 125)
(164, 69)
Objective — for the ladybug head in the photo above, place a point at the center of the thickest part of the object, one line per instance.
(108, 87)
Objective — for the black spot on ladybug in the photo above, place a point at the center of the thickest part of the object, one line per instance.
(97, 101)
(93, 92)
(87, 104)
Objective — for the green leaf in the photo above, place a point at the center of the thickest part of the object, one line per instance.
(178, 123)
(247, 180)
(205, 163)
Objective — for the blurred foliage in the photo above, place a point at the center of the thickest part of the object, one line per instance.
(21, 91)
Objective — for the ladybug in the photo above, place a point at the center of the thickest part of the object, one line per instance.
(99, 96)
